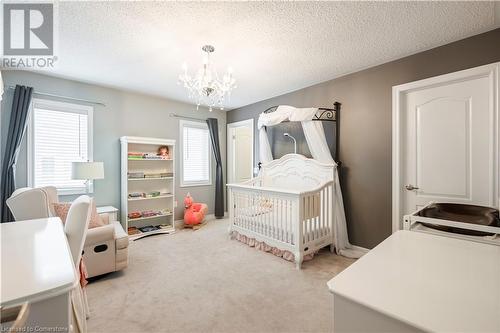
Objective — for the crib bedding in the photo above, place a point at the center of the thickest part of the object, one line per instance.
(256, 210)
(262, 246)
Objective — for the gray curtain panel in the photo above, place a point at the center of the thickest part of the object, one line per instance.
(17, 127)
(213, 128)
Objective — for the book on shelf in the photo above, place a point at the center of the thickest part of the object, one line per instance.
(146, 156)
(159, 175)
(148, 213)
(154, 194)
(165, 226)
(136, 175)
(152, 175)
(133, 231)
(148, 228)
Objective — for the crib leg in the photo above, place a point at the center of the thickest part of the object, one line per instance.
(332, 248)
(298, 260)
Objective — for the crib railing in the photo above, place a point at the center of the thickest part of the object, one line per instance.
(287, 217)
(268, 213)
(316, 208)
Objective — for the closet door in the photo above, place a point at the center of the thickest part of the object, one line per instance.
(449, 145)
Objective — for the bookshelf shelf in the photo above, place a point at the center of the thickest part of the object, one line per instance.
(149, 217)
(150, 178)
(149, 233)
(152, 198)
(150, 225)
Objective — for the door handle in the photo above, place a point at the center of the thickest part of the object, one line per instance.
(410, 187)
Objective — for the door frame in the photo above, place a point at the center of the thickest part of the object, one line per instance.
(490, 71)
(230, 126)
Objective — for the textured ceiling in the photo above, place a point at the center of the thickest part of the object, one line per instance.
(274, 47)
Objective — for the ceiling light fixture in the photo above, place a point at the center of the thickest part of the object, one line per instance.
(205, 87)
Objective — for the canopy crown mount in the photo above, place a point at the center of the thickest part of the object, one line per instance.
(323, 114)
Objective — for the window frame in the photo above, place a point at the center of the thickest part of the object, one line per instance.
(63, 107)
(194, 124)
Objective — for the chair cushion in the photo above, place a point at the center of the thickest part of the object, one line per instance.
(61, 210)
(121, 236)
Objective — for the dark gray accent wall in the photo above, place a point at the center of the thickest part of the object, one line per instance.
(281, 145)
(126, 113)
(365, 126)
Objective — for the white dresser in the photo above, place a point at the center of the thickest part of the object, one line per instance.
(414, 282)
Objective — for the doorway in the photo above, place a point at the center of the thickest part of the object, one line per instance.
(445, 141)
(240, 142)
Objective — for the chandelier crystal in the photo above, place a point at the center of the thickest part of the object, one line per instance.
(205, 87)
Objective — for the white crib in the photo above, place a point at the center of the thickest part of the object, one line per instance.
(290, 205)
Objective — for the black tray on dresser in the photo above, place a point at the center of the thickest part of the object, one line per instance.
(486, 216)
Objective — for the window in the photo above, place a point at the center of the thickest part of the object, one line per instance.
(195, 150)
(60, 133)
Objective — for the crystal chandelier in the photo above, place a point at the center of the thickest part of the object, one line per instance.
(205, 87)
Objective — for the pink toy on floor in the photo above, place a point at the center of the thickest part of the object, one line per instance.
(194, 212)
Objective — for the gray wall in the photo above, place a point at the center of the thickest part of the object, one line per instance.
(281, 145)
(126, 113)
(365, 126)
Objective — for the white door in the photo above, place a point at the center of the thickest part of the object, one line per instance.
(240, 151)
(448, 141)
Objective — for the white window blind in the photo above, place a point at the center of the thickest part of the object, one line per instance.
(195, 154)
(61, 134)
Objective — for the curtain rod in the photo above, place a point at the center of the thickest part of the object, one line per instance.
(173, 115)
(63, 97)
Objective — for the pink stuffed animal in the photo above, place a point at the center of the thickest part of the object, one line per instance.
(194, 212)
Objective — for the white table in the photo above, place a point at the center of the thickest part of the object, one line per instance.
(110, 210)
(414, 282)
(37, 267)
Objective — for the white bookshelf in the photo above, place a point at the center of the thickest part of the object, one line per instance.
(163, 203)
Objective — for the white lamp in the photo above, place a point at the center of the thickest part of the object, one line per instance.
(88, 171)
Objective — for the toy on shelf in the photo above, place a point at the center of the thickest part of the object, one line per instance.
(194, 213)
(164, 152)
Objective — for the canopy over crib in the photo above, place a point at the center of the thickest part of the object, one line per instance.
(316, 114)
(316, 141)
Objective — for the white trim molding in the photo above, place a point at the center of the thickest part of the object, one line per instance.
(492, 72)
(63, 107)
(249, 123)
(194, 124)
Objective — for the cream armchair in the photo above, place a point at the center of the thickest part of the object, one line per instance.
(105, 248)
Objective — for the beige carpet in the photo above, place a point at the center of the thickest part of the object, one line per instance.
(201, 281)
